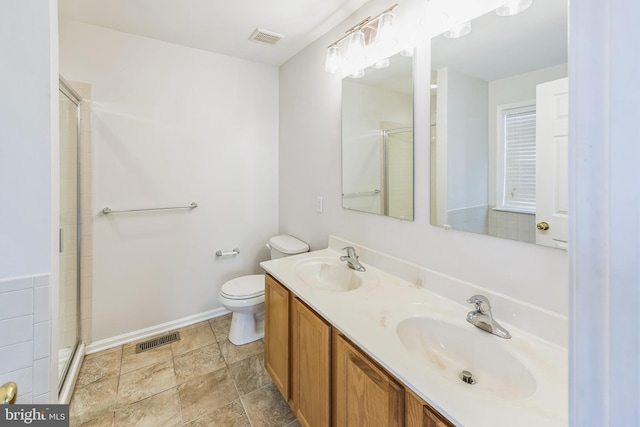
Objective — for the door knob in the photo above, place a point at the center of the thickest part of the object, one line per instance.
(9, 393)
(542, 226)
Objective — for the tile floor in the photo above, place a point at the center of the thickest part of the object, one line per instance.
(201, 380)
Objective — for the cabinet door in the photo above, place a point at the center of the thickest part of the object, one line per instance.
(276, 334)
(420, 414)
(311, 366)
(364, 395)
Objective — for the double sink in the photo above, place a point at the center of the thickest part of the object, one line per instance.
(426, 341)
(442, 345)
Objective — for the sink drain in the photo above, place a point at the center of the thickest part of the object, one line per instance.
(467, 377)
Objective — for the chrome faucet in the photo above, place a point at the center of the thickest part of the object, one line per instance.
(482, 317)
(352, 259)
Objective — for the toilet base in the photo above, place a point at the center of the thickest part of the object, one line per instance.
(246, 327)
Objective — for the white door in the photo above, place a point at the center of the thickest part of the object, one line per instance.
(552, 163)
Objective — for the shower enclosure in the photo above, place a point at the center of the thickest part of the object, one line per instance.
(397, 147)
(69, 291)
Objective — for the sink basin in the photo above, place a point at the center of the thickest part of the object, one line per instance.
(451, 349)
(329, 275)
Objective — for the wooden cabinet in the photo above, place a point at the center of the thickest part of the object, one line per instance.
(421, 414)
(310, 367)
(363, 393)
(276, 334)
(326, 379)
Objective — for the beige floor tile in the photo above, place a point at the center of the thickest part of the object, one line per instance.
(231, 415)
(221, 326)
(194, 325)
(249, 374)
(198, 362)
(266, 408)
(198, 381)
(93, 400)
(98, 366)
(201, 396)
(104, 420)
(103, 352)
(145, 382)
(162, 409)
(132, 361)
(235, 353)
(193, 338)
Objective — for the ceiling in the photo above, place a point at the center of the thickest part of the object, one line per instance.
(218, 26)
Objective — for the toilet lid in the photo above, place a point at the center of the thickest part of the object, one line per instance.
(244, 287)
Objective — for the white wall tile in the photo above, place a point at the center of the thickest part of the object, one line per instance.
(40, 376)
(9, 285)
(41, 305)
(42, 280)
(17, 356)
(43, 399)
(24, 399)
(41, 340)
(16, 330)
(22, 377)
(17, 303)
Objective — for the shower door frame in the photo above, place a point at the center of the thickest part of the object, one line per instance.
(67, 90)
(385, 165)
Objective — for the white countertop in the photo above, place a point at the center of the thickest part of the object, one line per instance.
(370, 314)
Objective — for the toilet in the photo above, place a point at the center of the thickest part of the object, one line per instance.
(244, 295)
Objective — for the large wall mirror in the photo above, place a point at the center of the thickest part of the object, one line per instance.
(377, 140)
(499, 117)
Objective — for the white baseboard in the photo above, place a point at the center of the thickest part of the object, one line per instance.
(154, 330)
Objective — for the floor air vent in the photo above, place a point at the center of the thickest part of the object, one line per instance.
(157, 342)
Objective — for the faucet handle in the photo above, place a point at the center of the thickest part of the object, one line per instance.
(482, 303)
(351, 251)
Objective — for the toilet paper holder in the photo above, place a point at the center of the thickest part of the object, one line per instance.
(235, 251)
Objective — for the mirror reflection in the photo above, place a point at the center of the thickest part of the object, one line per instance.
(499, 126)
(377, 140)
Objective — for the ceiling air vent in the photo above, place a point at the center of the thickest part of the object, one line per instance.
(264, 36)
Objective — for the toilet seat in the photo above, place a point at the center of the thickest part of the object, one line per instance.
(244, 287)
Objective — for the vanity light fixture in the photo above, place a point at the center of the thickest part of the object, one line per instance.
(334, 61)
(514, 7)
(458, 31)
(370, 40)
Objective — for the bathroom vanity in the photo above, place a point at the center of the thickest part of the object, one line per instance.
(316, 368)
(346, 348)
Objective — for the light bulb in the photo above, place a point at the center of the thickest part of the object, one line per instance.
(513, 7)
(381, 63)
(385, 36)
(356, 53)
(357, 74)
(458, 31)
(333, 63)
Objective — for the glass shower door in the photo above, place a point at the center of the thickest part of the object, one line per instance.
(68, 331)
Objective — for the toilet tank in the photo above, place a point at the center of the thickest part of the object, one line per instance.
(285, 245)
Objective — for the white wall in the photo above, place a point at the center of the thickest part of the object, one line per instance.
(25, 147)
(605, 227)
(28, 144)
(466, 143)
(172, 125)
(310, 161)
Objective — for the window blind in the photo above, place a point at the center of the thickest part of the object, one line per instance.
(520, 159)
